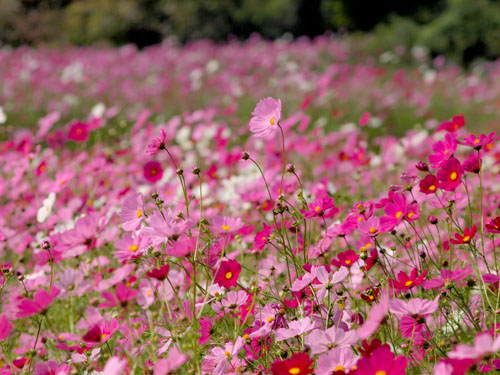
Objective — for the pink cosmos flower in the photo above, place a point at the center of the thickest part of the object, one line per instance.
(132, 213)
(493, 226)
(364, 119)
(206, 323)
(153, 171)
(265, 117)
(382, 361)
(5, 327)
(115, 366)
(415, 306)
(218, 361)
(222, 225)
(450, 174)
(337, 360)
(123, 294)
(228, 273)
(102, 332)
(295, 328)
(377, 314)
(163, 228)
(39, 304)
(157, 143)
(260, 240)
(51, 368)
(131, 247)
(372, 227)
(78, 132)
(174, 360)
(484, 344)
(321, 341)
(233, 301)
(447, 277)
(444, 150)
(80, 239)
(479, 142)
(323, 207)
(473, 164)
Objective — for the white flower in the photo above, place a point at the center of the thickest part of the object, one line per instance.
(44, 211)
(3, 116)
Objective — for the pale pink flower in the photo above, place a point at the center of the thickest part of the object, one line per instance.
(265, 117)
(415, 306)
(132, 213)
(114, 366)
(375, 318)
(321, 341)
(484, 344)
(337, 359)
(174, 360)
(295, 328)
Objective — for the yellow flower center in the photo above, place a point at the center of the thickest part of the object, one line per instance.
(149, 292)
(133, 248)
(271, 121)
(139, 214)
(61, 337)
(347, 262)
(339, 368)
(476, 141)
(381, 372)
(264, 238)
(227, 354)
(408, 283)
(153, 171)
(360, 218)
(103, 336)
(368, 244)
(371, 298)
(373, 230)
(432, 187)
(226, 227)
(411, 214)
(229, 275)
(294, 370)
(270, 319)
(399, 214)
(246, 335)
(453, 176)
(317, 209)
(466, 239)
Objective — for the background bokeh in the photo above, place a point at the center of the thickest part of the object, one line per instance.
(462, 30)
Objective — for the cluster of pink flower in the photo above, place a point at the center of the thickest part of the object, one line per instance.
(305, 251)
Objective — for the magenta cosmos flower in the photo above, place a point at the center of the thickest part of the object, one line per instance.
(322, 207)
(265, 117)
(132, 213)
(153, 171)
(157, 143)
(382, 362)
(228, 273)
(78, 132)
(39, 304)
(450, 174)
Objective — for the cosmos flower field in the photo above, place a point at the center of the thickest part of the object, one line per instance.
(282, 208)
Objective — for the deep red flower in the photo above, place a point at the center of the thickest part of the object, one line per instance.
(346, 259)
(494, 225)
(159, 273)
(228, 273)
(450, 174)
(429, 184)
(298, 364)
(153, 171)
(367, 348)
(405, 282)
(472, 164)
(370, 295)
(465, 239)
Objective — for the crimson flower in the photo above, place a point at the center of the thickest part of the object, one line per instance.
(450, 174)
(298, 364)
(465, 239)
(429, 184)
(159, 273)
(346, 259)
(456, 123)
(494, 225)
(405, 282)
(78, 132)
(228, 273)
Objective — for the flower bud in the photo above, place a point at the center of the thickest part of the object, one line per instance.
(245, 156)
(422, 166)
(432, 219)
